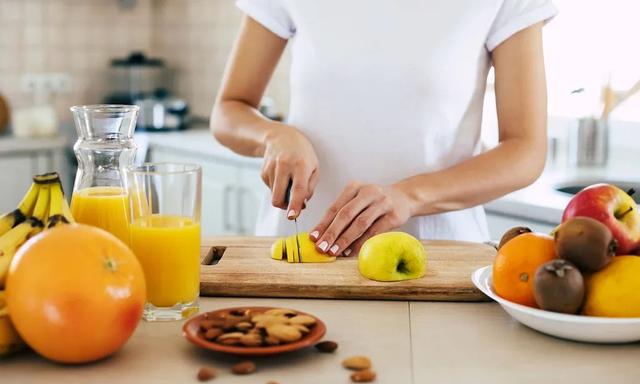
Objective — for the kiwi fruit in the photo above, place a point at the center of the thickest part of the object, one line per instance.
(510, 234)
(585, 242)
(558, 286)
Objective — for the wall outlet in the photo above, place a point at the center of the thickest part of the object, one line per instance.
(46, 82)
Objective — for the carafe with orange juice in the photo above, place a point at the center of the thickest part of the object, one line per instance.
(104, 148)
(165, 236)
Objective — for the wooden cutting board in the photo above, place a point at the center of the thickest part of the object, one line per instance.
(242, 267)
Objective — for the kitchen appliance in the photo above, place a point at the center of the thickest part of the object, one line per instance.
(162, 112)
(146, 82)
(242, 267)
(589, 142)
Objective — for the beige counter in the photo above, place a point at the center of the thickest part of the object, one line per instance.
(408, 343)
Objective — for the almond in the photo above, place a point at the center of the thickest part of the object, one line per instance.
(244, 367)
(270, 340)
(206, 374)
(357, 363)
(232, 338)
(327, 346)
(212, 322)
(303, 320)
(213, 333)
(284, 333)
(281, 312)
(304, 330)
(251, 340)
(244, 326)
(365, 376)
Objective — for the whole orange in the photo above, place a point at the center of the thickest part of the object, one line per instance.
(516, 264)
(75, 293)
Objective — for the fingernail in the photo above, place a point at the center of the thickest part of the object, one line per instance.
(291, 214)
(347, 252)
(334, 249)
(323, 246)
(314, 235)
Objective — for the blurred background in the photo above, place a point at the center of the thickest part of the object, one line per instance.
(168, 56)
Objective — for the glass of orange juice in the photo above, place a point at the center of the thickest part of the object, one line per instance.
(164, 200)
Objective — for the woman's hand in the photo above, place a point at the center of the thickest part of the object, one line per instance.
(289, 157)
(360, 212)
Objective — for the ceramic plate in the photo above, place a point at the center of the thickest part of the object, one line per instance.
(191, 327)
(572, 327)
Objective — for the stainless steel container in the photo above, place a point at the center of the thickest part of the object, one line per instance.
(588, 142)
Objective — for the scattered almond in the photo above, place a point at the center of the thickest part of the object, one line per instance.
(244, 367)
(206, 374)
(357, 363)
(327, 346)
(284, 332)
(365, 376)
(213, 333)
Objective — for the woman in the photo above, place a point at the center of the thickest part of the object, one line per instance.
(385, 113)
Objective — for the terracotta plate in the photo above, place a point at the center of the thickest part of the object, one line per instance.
(191, 327)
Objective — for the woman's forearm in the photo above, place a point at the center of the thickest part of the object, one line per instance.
(240, 127)
(512, 165)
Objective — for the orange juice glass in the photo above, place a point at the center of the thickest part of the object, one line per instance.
(165, 236)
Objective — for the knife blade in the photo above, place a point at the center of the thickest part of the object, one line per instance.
(295, 220)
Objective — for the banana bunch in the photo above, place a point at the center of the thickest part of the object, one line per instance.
(43, 207)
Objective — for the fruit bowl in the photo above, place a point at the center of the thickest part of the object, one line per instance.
(572, 327)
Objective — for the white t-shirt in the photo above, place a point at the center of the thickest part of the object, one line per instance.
(388, 89)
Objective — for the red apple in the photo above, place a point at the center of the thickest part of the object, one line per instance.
(614, 208)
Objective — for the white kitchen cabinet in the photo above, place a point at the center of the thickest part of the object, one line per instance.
(218, 184)
(252, 192)
(499, 224)
(21, 159)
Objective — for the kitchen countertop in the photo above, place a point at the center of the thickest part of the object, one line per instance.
(10, 145)
(408, 342)
(540, 201)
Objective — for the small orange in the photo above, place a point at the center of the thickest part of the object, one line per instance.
(516, 264)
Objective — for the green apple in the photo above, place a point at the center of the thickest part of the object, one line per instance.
(392, 256)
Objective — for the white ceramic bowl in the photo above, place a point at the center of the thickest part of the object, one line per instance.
(572, 327)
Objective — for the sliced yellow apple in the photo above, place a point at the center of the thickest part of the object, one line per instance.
(277, 249)
(288, 247)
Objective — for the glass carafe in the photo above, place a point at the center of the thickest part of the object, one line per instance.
(105, 148)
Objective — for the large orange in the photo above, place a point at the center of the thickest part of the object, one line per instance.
(75, 293)
(516, 264)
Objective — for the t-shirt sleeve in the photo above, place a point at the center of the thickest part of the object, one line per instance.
(271, 14)
(516, 15)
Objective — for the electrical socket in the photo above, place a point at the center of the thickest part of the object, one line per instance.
(47, 82)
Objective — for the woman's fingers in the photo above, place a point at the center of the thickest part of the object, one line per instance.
(357, 228)
(382, 224)
(346, 216)
(345, 196)
(279, 187)
(299, 193)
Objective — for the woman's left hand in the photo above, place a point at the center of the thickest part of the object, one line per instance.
(360, 212)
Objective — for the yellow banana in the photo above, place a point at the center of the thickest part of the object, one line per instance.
(59, 211)
(10, 341)
(12, 240)
(20, 214)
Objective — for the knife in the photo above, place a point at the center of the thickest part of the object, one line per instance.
(287, 198)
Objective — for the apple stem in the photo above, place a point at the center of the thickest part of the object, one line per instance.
(623, 214)
(631, 191)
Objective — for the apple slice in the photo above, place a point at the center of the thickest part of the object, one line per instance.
(278, 250)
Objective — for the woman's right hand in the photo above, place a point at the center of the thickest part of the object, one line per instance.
(289, 156)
